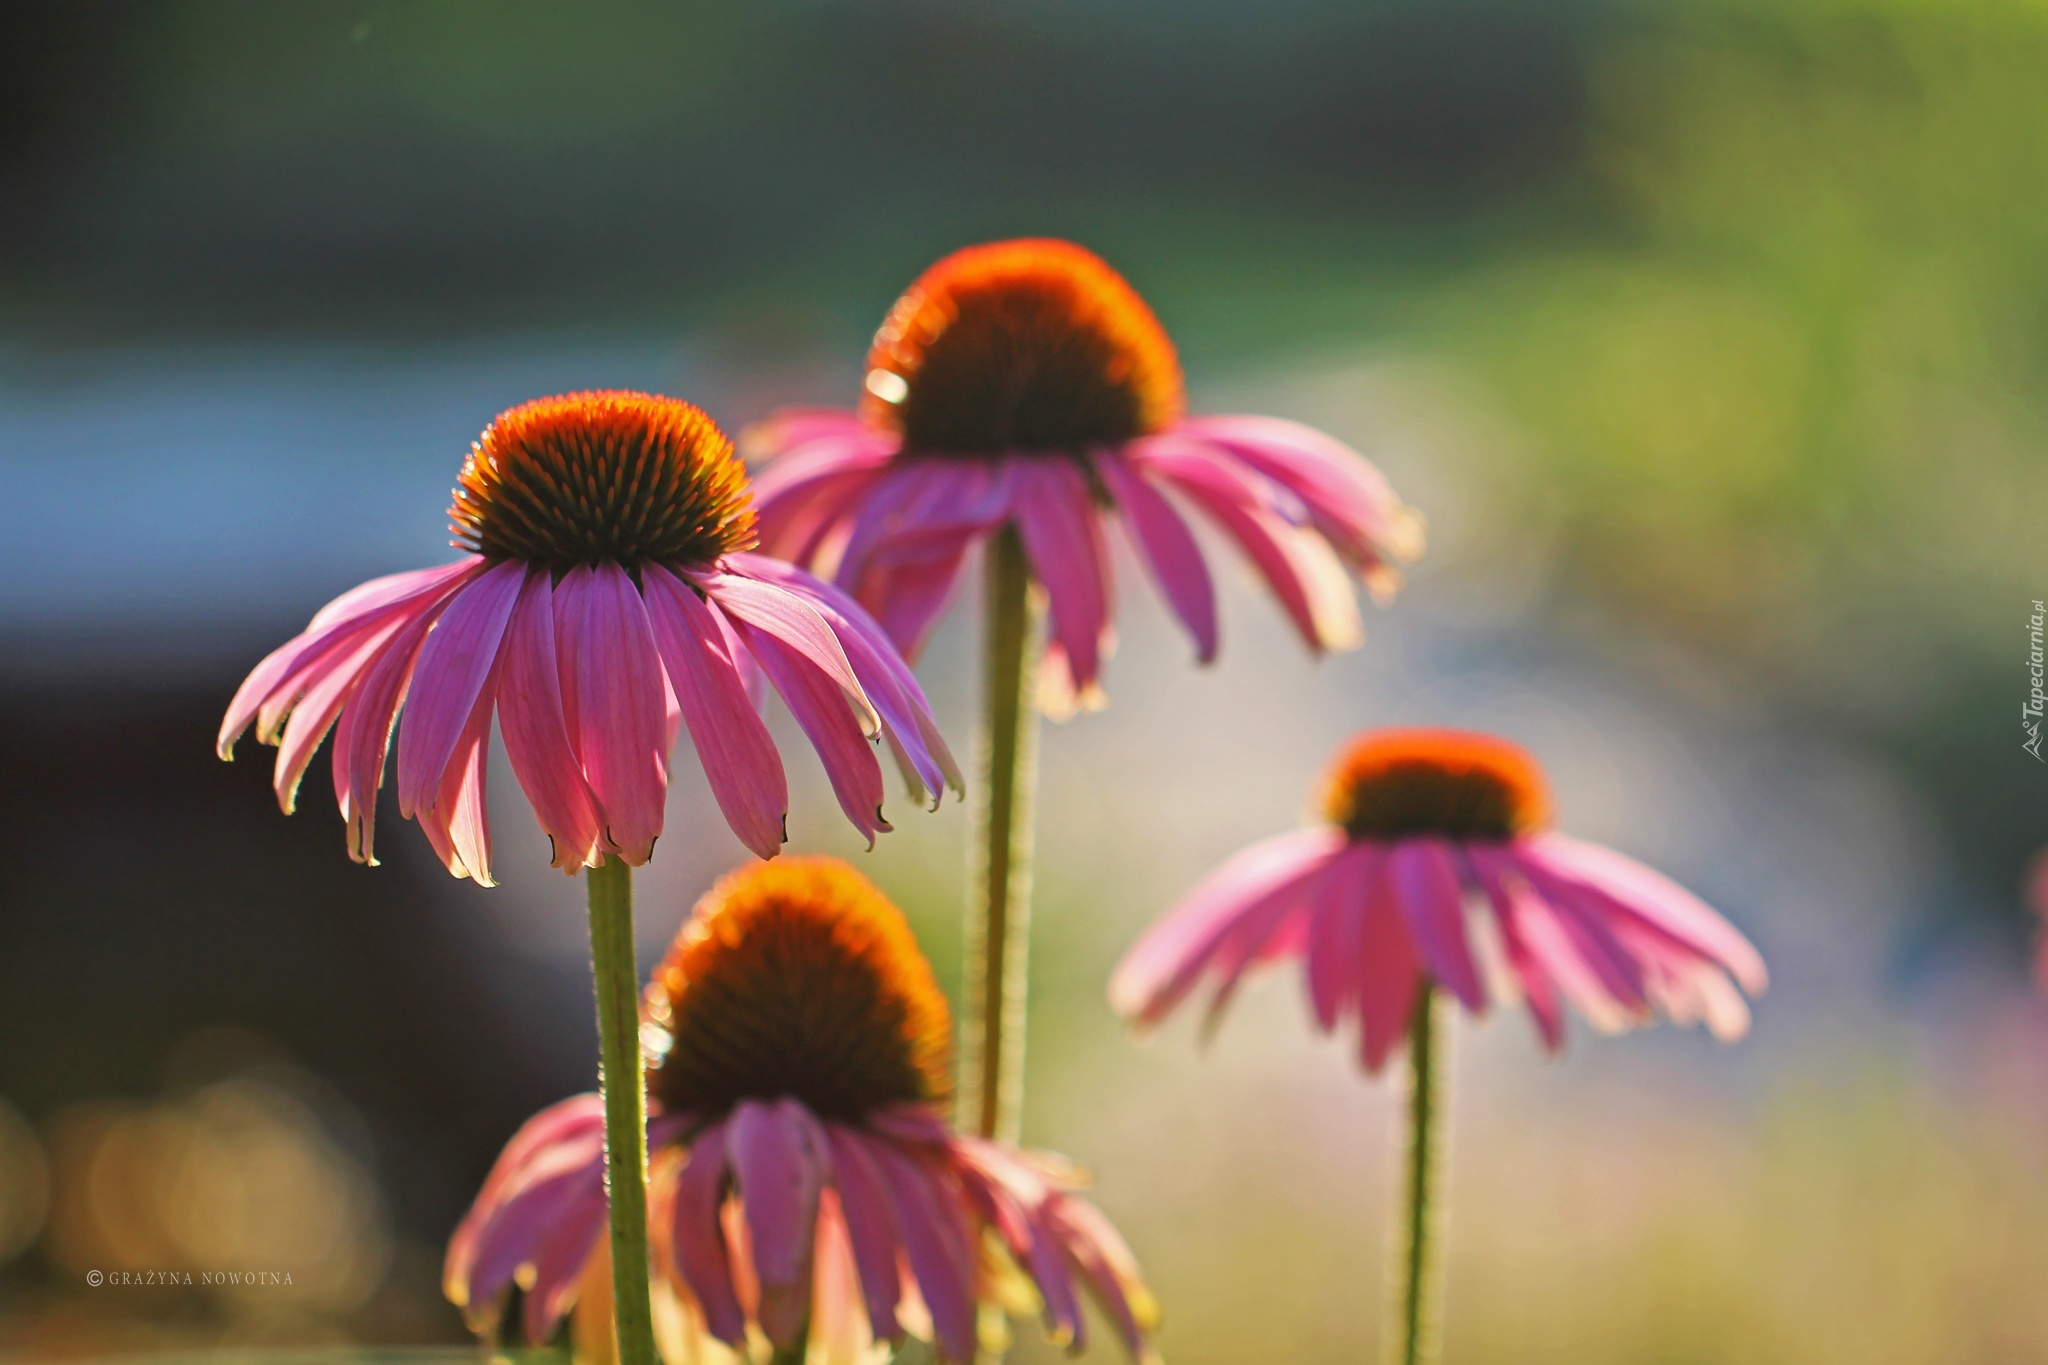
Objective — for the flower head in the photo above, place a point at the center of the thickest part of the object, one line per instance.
(1027, 384)
(804, 1183)
(800, 979)
(1438, 867)
(1027, 345)
(596, 478)
(608, 601)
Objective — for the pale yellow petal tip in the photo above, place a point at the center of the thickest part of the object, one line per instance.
(1406, 536)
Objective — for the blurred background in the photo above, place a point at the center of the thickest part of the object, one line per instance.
(1710, 335)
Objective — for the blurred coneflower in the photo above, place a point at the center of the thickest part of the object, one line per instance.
(1437, 872)
(608, 601)
(807, 1189)
(1022, 397)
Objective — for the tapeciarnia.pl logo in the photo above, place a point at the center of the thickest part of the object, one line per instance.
(2030, 714)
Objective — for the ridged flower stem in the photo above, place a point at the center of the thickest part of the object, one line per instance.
(999, 900)
(625, 1103)
(1415, 1279)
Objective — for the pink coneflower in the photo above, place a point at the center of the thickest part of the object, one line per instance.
(1026, 384)
(609, 600)
(806, 1188)
(1437, 872)
(1022, 397)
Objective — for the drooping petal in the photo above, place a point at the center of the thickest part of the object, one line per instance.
(935, 1241)
(1589, 965)
(1433, 900)
(558, 1267)
(1510, 899)
(1627, 888)
(536, 731)
(697, 1236)
(458, 658)
(840, 1334)
(870, 1228)
(813, 471)
(733, 744)
(1063, 540)
(780, 1161)
(1336, 965)
(821, 710)
(910, 537)
(1015, 1198)
(458, 823)
(886, 679)
(774, 611)
(313, 713)
(1296, 563)
(1168, 549)
(1350, 500)
(1280, 915)
(1157, 973)
(1390, 969)
(366, 599)
(542, 1172)
(277, 681)
(612, 699)
(362, 737)
(908, 596)
(1110, 1271)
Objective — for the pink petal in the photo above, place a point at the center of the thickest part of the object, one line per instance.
(537, 733)
(612, 699)
(1511, 908)
(771, 610)
(363, 735)
(1351, 501)
(909, 596)
(1108, 1267)
(313, 713)
(1280, 916)
(558, 1268)
(1168, 549)
(366, 599)
(457, 824)
(802, 496)
(1018, 1202)
(698, 1237)
(335, 631)
(1433, 900)
(1627, 888)
(1336, 933)
(870, 1229)
(1391, 970)
(1593, 970)
(886, 679)
(1158, 972)
(935, 1239)
(1063, 540)
(780, 1161)
(535, 1208)
(458, 658)
(734, 746)
(1296, 563)
(820, 708)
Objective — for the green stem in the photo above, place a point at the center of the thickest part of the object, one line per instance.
(793, 1354)
(1415, 1324)
(999, 903)
(625, 1103)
